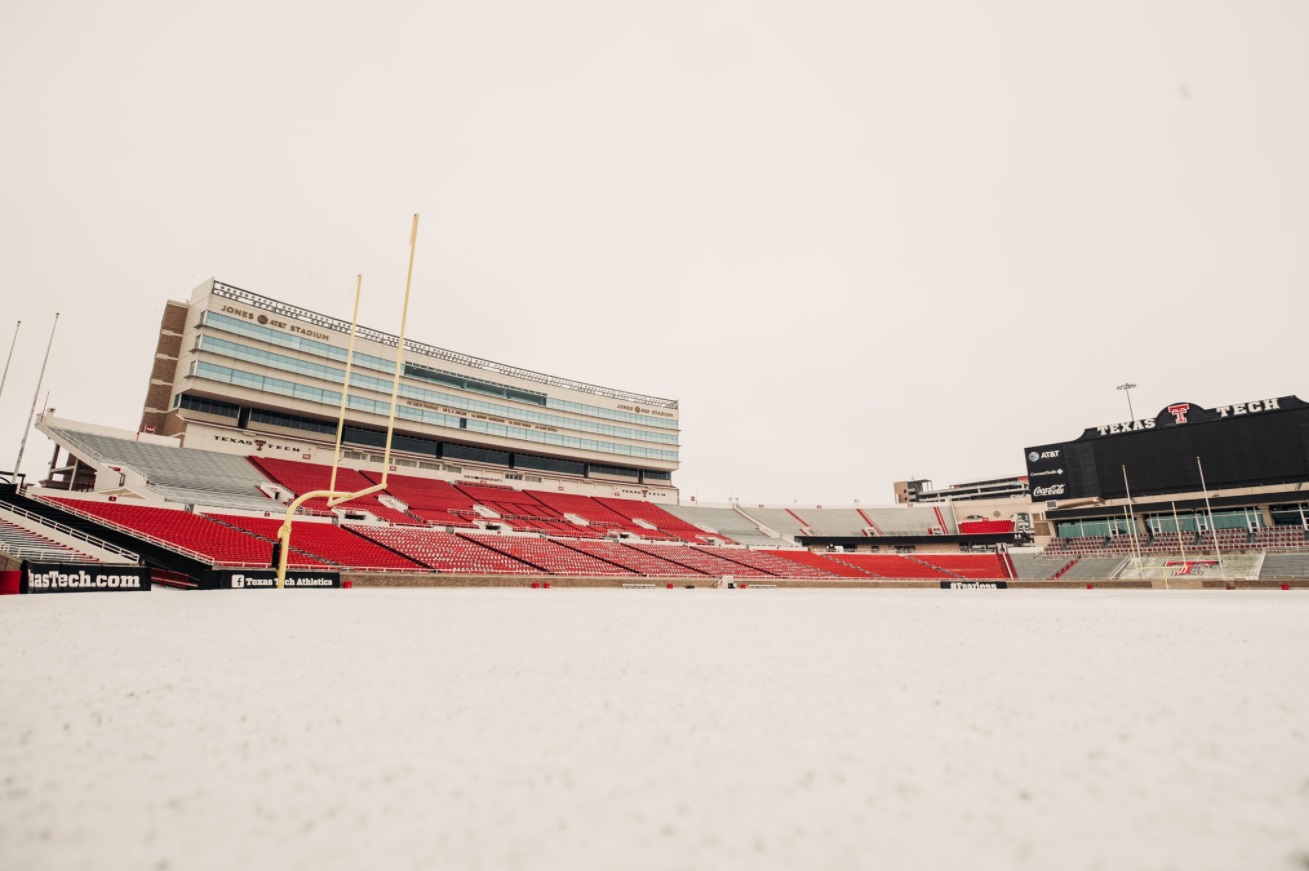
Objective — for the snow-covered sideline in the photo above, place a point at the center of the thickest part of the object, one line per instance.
(605, 729)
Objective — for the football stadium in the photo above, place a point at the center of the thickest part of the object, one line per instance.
(487, 473)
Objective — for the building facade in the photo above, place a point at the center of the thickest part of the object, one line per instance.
(239, 372)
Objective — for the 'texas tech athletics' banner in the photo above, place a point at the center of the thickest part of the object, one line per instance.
(83, 578)
(266, 579)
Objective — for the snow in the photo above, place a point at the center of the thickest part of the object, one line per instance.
(518, 728)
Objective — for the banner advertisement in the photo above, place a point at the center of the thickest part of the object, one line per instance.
(266, 579)
(82, 578)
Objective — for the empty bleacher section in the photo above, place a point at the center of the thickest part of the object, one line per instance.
(302, 478)
(183, 475)
(822, 562)
(910, 520)
(20, 543)
(266, 528)
(445, 551)
(654, 515)
(1285, 566)
(726, 522)
(701, 559)
(834, 521)
(332, 544)
(985, 527)
(891, 566)
(1039, 567)
(190, 533)
(1094, 568)
(437, 502)
(25, 535)
(967, 565)
(602, 518)
(780, 520)
(549, 556)
(766, 561)
(634, 560)
(1194, 544)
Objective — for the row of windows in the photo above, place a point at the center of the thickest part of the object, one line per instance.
(273, 360)
(1197, 521)
(368, 361)
(206, 406)
(411, 444)
(265, 384)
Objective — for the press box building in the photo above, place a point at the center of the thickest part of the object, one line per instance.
(239, 372)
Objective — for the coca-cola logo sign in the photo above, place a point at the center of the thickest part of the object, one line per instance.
(1052, 490)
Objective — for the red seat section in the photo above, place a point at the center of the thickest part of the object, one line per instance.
(635, 509)
(549, 556)
(700, 559)
(300, 477)
(988, 566)
(821, 562)
(634, 560)
(985, 527)
(447, 552)
(889, 565)
(437, 502)
(267, 528)
(194, 532)
(767, 562)
(330, 543)
(601, 518)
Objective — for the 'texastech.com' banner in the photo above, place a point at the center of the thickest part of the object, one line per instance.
(83, 578)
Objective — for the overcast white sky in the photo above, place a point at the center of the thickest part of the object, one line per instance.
(858, 241)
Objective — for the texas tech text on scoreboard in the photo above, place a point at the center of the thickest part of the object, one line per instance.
(1249, 444)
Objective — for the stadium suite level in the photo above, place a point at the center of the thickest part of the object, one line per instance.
(239, 372)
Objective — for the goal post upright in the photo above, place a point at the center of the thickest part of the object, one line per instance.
(334, 496)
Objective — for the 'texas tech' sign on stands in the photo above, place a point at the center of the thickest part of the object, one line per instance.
(82, 578)
(266, 579)
(1246, 444)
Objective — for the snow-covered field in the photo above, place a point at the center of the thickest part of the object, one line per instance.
(607, 729)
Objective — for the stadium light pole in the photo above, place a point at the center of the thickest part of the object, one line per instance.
(1126, 387)
(22, 446)
(10, 358)
(1222, 570)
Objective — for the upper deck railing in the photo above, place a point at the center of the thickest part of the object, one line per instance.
(329, 323)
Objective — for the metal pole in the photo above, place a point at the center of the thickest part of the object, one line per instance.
(10, 358)
(1132, 515)
(1177, 527)
(23, 445)
(1213, 529)
(1127, 387)
(345, 388)
(399, 351)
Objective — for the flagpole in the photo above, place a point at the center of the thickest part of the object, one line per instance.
(35, 396)
(1212, 528)
(10, 358)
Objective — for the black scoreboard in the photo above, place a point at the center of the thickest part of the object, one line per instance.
(1264, 441)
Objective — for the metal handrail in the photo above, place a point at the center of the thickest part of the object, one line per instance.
(135, 533)
(68, 530)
